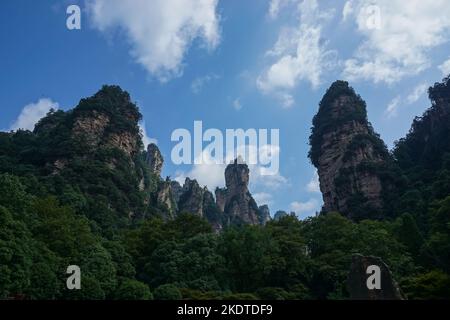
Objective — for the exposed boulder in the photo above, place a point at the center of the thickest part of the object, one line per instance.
(358, 277)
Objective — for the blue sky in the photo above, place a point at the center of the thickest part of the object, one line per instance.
(259, 64)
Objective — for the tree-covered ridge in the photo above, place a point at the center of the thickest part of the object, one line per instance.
(89, 157)
(424, 158)
(63, 202)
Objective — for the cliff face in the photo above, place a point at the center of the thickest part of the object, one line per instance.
(191, 199)
(106, 120)
(200, 201)
(97, 147)
(235, 201)
(165, 199)
(154, 159)
(264, 214)
(348, 155)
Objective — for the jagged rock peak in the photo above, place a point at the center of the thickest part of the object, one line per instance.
(177, 190)
(165, 199)
(108, 119)
(197, 200)
(235, 201)
(191, 199)
(280, 215)
(348, 155)
(237, 176)
(154, 159)
(264, 214)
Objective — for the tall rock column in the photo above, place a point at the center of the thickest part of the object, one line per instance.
(348, 155)
(154, 159)
(235, 201)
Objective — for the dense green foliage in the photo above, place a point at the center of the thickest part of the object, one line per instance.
(93, 213)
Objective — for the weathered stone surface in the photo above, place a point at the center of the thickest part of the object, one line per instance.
(221, 197)
(165, 198)
(279, 215)
(347, 153)
(90, 128)
(191, 199)
(357, 280)
(177, 190)
(154, 159)
(232, 205)
(125, 141)
(199, 201)
(235, 201)
(210, 210)
(96, 119)
(264, 214)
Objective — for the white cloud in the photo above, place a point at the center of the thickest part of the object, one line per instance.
(262, 198)
(347, 11)
(198, 83)
(212, 175)
(159, 31)
(418, 92)
(145, 138)
(400, 44)
(237, 105)
(300, 55)
(305, 209)
(392, 108)
(275, 6)
(32, 113)
(313, 185)
(445, 68)
(287, 100)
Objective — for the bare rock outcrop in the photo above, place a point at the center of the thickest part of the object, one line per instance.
(264, 214)
(154, 159)
(177, 190)
(199, 201)
(358, 277)
(191, 199)
(165, 199)
(106, 120)
(348, 155)
(235, 201)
